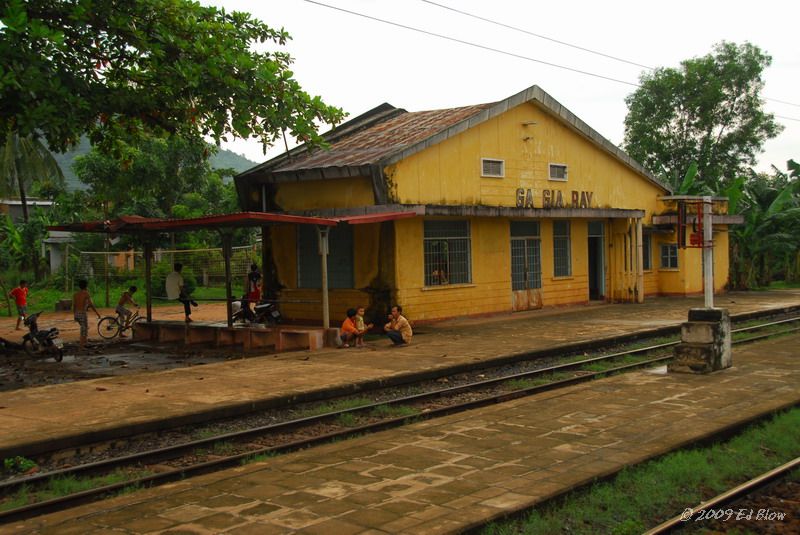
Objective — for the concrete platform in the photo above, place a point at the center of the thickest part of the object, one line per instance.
(96, 409)
(454, 473)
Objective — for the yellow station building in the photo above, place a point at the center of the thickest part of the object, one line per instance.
(483, 209)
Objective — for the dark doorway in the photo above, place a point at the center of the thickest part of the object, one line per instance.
(597, 280)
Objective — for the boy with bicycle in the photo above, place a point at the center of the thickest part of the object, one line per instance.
(124, 313)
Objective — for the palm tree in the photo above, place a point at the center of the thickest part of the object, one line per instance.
(23, 162)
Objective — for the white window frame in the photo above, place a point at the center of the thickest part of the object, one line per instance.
(502, 168)
(669, 256)
(550, 172)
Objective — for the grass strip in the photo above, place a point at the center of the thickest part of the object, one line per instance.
(64, 486)
(645, 495)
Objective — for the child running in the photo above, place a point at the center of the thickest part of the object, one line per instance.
(20, 295)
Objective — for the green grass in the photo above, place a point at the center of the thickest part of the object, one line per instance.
(63, 486)
(45, 297)
(334, 406)
(347, 420)
(642, 496)
(393, 411)
(777, 285)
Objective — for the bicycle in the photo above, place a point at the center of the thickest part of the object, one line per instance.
(109, 327)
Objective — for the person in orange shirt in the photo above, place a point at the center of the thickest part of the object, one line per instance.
(349, 331)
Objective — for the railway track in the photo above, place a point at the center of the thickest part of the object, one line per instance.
(193, 457)
(719, 507)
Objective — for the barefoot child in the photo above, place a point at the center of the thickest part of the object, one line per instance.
(81, 303)
(124, 313)
(361, 329)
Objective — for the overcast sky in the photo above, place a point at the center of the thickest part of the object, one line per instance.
(357, 64)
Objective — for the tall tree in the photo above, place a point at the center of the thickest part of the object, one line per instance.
(709, 110)
(23, 162)
(116, 69)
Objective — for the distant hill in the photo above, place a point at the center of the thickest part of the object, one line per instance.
(224, 159)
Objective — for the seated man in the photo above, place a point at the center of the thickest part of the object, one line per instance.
(398, 329)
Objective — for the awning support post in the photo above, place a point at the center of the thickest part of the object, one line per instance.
(322, 234)
(226, 255)
(639, 262)
(148, 278)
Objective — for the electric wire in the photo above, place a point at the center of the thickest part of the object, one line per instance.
(505, 52)
(470, 43)
(571, 45)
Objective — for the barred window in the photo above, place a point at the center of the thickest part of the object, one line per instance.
(647, 252)
(562, 259)
(447, 253)
(340, 257)
(526, 256)
(669, 255)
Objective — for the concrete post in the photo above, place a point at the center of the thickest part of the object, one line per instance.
(705, 342)
(322, 234)
(639, 263)
(226, 254)
(708, 254)
(148, 278)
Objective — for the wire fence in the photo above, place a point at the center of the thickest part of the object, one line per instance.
(202, 268)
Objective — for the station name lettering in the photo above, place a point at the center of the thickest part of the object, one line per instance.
(554, 198)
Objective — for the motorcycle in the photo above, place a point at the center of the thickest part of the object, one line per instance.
(42, 341)
(265, 312)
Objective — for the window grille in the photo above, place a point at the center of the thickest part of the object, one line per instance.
(492, 168)
(558, 172)
(447, 253)
(340, 257)
(647, 252)
(562, 259)
(669, 255)
(526, 256)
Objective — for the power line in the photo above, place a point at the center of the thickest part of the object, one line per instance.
(564, 43)
(469, 43)
(491, 49)
(521, 30)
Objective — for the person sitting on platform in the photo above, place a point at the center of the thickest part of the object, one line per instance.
(398, 329)
(349, 332)
(176, 290)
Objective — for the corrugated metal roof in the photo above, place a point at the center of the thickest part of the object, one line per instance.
(369, 145)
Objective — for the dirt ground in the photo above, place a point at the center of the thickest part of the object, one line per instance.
(101, 357)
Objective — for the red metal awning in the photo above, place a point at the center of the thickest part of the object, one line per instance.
(138, 224)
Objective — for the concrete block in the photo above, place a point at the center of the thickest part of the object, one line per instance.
(697, 332)
(705, 342)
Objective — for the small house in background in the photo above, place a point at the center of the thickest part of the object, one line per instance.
(513, 205)
(13, 207)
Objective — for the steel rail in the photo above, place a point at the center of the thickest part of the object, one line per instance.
(730, 496)
(170, 452)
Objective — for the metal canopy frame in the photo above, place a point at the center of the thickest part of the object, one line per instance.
(147, 227)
